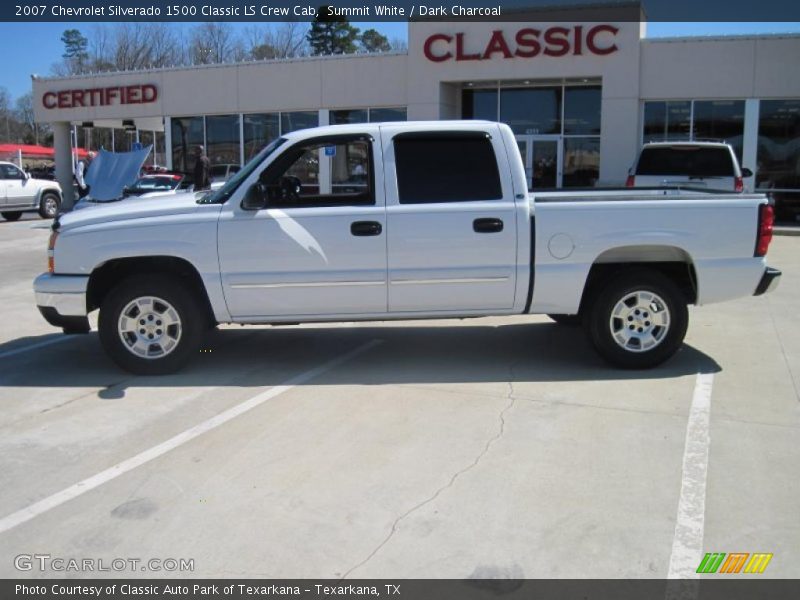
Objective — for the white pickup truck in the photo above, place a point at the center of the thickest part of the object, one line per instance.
(21, 193)
(400, 221)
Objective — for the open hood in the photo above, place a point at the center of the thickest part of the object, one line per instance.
(110, 172)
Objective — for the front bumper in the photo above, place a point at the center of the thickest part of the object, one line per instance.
(62, 300)
(769, 281)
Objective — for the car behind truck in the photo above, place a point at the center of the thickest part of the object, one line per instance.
(400, 221)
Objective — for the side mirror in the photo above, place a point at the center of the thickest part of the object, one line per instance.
(746, 172)
(255, 198)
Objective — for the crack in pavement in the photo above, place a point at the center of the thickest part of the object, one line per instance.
(512, 400)
(783, 350)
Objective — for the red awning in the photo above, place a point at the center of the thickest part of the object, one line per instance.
(31, 151)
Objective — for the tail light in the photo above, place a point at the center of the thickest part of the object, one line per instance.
(738, 184)
(630, 181)
(51, 247)
(766, 220)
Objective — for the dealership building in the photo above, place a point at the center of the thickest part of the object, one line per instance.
(580, 95)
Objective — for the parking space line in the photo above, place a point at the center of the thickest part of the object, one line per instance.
(687, 543)
(90, 483)
(42, 344)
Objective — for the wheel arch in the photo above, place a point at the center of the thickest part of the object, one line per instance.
(672, 261)
(108, 274)
(48, 190)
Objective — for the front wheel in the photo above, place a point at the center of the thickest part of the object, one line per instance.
(638, 320)
(48, 207)
(11, 216)
(151, 325)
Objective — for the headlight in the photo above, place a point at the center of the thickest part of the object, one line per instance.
(51, 248)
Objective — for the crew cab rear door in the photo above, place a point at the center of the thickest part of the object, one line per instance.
(451, 219)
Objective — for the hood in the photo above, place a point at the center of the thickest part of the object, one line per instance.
(134, 207)
(110, 172)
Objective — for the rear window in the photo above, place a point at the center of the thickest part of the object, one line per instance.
(688, 160)
(446, 167)
(155, 183)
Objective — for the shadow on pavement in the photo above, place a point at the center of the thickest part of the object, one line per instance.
(418, 354)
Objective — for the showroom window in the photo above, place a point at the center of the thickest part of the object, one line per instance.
(581, 161)
(582, 110)
(187, 132)
(222, 139)
(367, 115)
(259, 130)
(533, 111)
(346, 117)
(695, 120)
(397, 113)
(464, 163)
(778, 154)
(557, 128)
(294, 121)
(479, 104)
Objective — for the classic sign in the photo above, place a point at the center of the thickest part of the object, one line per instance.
(527, 42)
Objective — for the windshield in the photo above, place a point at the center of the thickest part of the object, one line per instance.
(222, 195)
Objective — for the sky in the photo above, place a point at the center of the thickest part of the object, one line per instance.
(33, 47)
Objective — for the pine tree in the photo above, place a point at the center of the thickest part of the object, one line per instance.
(374, 41)
(331, 35)
(75, 49)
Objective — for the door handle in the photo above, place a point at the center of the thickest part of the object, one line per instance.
(487, 225)
(364, 228)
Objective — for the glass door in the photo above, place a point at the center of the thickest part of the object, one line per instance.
(543, 156)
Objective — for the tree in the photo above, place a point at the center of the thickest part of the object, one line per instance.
(398, 45)
(75, 50)
(374, 41)
(214, 43)
(331, 34)
(24, 114)
(5, 112)
(287, 40)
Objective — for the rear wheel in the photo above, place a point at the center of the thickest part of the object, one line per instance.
(11, 216)
(151, 325)
(48, 207)
(638, 320)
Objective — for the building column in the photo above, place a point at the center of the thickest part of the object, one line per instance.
(62, 144)
(750, 141)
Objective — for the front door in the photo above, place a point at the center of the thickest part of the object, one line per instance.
(542, 155)
(317, 243)
(15, 191)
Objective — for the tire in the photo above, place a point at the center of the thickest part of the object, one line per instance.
(174, 324)
(659, 325)
(49, 205)
(567, 320)
(11, 216)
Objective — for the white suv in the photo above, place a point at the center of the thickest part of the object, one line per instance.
(20, 193)
(709, 165)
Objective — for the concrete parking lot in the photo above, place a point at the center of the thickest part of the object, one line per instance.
(483, 448)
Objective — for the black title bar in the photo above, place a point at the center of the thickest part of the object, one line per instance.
(399, 10)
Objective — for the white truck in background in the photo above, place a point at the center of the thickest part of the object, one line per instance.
(19, 193)
(400, 221)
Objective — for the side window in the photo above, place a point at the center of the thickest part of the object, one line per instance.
(322, 172)
(10, 172)
(446, 167)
